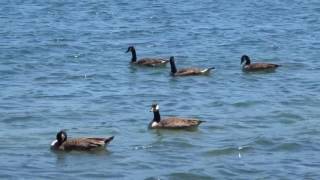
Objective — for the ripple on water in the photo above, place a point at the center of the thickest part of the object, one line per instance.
(247, 104)
(229, 151)
(288, 147)
(21, 120)
(142, 147)
(184, 175)
(264, 141)
(289, 118)
(179, 143)
(68, 69)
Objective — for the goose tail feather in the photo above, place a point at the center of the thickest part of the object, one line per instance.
(109, 139)
(200, 121)
(207, 70)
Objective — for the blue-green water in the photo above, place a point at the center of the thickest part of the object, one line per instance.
(63, 66)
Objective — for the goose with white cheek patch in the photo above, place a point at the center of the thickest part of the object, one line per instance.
(187, 71)
(62, 143)
(248, 66)
(151, 62)
(171, 122)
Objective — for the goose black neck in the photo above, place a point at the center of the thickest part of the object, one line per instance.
(156, 116)
(59, 143)
(248, 62)
(134, 55)
(246, 59)
(173, 66)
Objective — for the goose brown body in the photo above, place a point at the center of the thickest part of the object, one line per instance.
(248, 66)
(187, 71)
(79, 144)
(151, 62)
(171, 122)
(176, 123)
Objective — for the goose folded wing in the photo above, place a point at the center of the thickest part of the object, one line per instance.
(84, 143)
(173, 122)
(189, 71)
(150, 61)
(262, 66)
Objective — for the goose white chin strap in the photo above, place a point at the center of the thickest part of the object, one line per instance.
(54, 142)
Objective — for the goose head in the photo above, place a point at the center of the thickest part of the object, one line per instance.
(130, 49)
(245, 59)
(154, 108)
(61, 137)
(156, 115)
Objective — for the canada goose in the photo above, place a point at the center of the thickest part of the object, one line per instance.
(152, 62)
(247, 66)
(187, 71)
(78, 144)
(171, 122)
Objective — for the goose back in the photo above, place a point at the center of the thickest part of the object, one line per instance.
(179, 123)
(259, 66)
(83, 144)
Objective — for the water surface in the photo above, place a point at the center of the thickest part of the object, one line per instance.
(63, 66)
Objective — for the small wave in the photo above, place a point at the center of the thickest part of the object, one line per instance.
(291, 116)
(179, 144)
(287, 147)
(142, 147)
(264, 141)
(247, 103)
(187, 176)
(22, 118)
(215, 127)
(228, 151)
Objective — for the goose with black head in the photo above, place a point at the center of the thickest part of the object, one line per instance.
(171, 122)
(151, 62)
(248, 66)
(62, 143)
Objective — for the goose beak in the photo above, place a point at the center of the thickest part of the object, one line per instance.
(128, 50)
(151, 110)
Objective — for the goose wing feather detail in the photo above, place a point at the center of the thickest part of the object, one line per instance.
(188, 71)
(85, 143)
(260, 66)
(152, 61)
(174, 122)
(192, 71)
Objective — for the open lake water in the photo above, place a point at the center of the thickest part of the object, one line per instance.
(63, 66)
